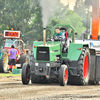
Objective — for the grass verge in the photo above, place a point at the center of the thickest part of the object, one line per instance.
(9, 74)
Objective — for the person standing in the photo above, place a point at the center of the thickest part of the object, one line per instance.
(12, 57)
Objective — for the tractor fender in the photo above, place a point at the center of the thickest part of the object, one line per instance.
(75, 50)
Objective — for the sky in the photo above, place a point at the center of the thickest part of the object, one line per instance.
(71, 3)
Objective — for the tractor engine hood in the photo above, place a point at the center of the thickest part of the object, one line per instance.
(46, 52)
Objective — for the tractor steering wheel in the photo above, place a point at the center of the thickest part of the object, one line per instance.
(57, 38)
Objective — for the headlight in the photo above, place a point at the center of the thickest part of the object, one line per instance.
(36, 64)
(48, 64)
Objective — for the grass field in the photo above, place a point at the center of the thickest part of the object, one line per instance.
(8, 74)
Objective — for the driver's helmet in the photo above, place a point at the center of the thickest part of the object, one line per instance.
(63, 30)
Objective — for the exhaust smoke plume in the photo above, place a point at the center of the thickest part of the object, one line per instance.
(48, 7)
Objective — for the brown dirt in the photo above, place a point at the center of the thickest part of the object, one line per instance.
(11, 88)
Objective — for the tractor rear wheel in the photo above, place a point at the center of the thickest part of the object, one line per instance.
(25, 73)
(63, 75)
(22, 59)
(1, 66)
(4, 62)
(83, 69)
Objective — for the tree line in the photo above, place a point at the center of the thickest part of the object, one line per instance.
(26, 16)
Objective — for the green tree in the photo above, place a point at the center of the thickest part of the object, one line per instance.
(80, 9)
(88, 2)
(35, 31)
(66, 16)
(2, 25)
(25, 15)
(19, 13)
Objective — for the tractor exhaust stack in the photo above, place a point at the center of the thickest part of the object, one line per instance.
(44, 36)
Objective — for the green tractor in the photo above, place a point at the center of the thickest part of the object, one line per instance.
(58, 60)
(73, 62)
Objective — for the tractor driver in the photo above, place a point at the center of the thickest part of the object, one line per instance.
(59, 34)
(12, 57)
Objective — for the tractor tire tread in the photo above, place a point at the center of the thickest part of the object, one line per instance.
(79, 80)
(1, 66)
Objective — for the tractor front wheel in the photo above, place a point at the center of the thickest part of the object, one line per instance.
(63, 75)
(22, 59)
(25, 73)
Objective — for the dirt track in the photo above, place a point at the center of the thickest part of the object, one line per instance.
(11, 88)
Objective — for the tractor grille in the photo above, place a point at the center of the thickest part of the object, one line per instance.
(43, 53)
